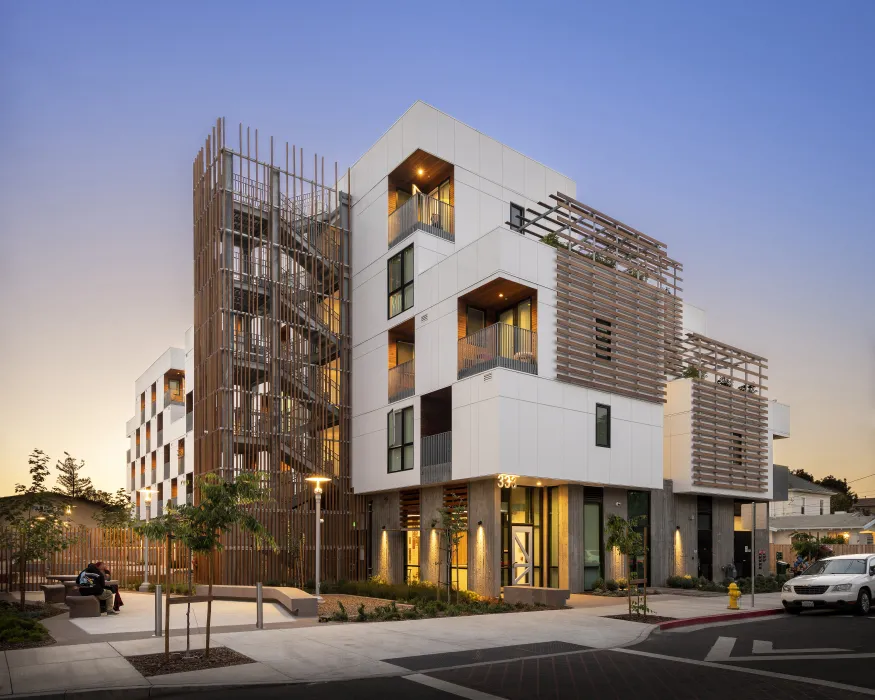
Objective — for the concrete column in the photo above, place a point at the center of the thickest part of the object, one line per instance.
(484, 541)
(663, 533)
(723, 533)
(686, 544)
(430, 559)
(571, 550)
(387, 544)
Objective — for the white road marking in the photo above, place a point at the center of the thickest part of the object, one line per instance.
(753, 671)
(721, 650)
(760, 647)
(452, 688)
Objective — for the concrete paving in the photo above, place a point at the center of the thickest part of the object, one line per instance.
(336, 651)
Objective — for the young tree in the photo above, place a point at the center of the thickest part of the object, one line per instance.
(222, 506)
(622, 536)
(454, 525)
(35, 526)
(70, 482)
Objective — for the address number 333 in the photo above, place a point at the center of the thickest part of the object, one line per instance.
(507, 481)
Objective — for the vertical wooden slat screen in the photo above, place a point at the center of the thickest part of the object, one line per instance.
(272, 351)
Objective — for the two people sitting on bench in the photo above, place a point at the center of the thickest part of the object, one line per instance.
(92, 581)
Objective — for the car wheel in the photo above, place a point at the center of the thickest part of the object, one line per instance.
(793, 611)
(864, 603)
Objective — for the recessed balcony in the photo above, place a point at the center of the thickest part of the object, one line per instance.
(421, 197)
(402, 351)
(422, 212)
(436, 458)
(402, 381)
(498, 345)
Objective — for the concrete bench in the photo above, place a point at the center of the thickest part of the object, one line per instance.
(83, 606)
(536, 595)
(296, 601)
(54, 592)
(71, 587)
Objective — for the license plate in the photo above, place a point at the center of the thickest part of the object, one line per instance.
(807, 603)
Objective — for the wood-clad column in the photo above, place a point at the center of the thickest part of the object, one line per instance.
(430, 559)
(571, 549)
(388, 544)
(723, 534)
(484, 541)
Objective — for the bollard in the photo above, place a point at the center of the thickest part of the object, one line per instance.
(158, 610)
(259, 607)
(734, 595)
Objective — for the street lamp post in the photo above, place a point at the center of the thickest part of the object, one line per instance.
(317, 482)
(144, 587)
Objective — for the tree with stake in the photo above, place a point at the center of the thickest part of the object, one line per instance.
(621, 535)
(35, 526)
(454, 525)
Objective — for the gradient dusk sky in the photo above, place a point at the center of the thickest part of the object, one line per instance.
(741, 133)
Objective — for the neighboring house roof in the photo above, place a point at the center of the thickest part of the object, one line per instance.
(865, 503)
(797, 483)
(835, 521)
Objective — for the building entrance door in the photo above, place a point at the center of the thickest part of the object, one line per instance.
(522, 545)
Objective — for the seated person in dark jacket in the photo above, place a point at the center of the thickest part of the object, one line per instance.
(92, 582)
(107, 576)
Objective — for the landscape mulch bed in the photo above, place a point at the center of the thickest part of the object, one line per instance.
(351, 603)
(36, 611)
(646, 619)
(154, 664)
(47, 642)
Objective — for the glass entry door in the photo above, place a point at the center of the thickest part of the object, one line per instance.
(521, 547)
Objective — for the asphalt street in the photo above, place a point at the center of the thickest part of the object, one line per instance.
(814, 656)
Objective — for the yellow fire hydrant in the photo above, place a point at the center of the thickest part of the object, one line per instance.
(734, 595)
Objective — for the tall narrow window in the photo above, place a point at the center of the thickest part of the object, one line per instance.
(400, 440)
(821, 507)
(401, 282)
(802, 512)
(602, 425)
(516, 216)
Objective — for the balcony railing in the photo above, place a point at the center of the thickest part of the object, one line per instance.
(189, 499)
(142, 479)
(160, 508)
(160, 438)
(154, 476)
(166, 470)
(498, 345)
(181, 460)
(148, 444)
(436, 458)
(401, 381)
(189, 422)
(174, 397)
(422, 212)
(250, 346)
(154, 407)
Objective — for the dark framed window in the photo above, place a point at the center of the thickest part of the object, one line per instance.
(401, 282)
(517, 216)
(602, 425)
(603, 339)
(400, 440)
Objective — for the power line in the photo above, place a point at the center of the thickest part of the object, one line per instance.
(861, 478)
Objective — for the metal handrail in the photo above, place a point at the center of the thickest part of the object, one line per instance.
(422, 212)
(498, 345)
(402, 381)
(436, 449)
(171, 397)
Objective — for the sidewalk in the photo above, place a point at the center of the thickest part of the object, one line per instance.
(679, 606)
(336, 651)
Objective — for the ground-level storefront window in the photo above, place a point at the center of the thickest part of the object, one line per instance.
(412, 568)
(639, 507)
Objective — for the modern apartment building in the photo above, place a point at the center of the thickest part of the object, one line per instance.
(528, 359)
(448, 325)
(160, 432)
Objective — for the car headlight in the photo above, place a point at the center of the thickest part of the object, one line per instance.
(842, 587)
(787, 588)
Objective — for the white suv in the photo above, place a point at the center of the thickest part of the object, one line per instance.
(847, 581)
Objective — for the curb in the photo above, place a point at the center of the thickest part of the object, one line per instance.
(724, 617)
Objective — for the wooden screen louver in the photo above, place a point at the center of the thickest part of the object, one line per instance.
(410, 509)
(456, 496)
(618, 310)
(730, 415)
(272, 350)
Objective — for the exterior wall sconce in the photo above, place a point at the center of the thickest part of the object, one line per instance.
(480, 523)
(384, 527)
(678, 527)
